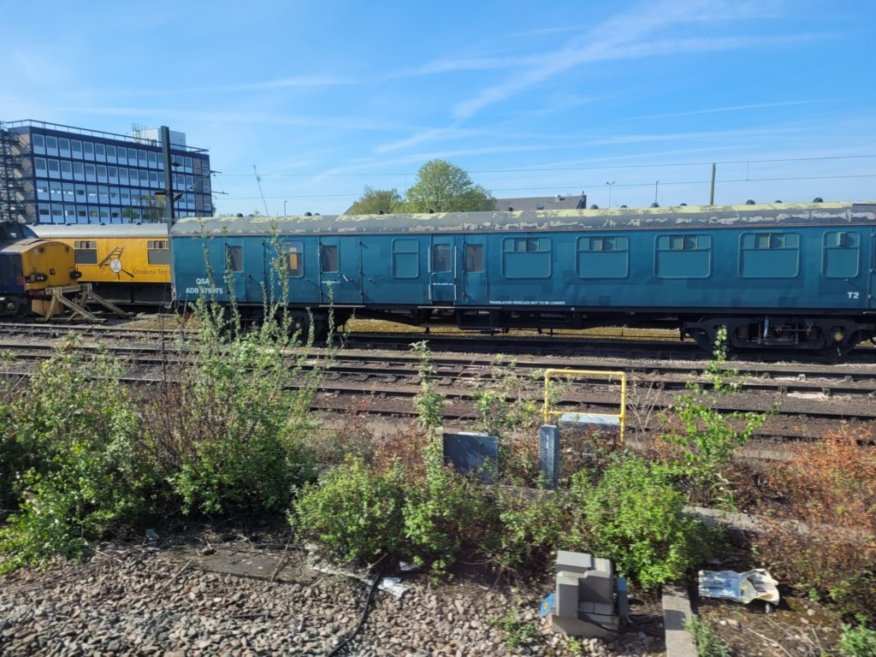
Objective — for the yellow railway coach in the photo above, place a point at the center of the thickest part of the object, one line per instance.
(127, 264)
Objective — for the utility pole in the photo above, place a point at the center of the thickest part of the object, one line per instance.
(610, 185)
(168, 177)
(656, 187)
(712, 188)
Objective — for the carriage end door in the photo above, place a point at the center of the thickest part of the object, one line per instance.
(443, 267)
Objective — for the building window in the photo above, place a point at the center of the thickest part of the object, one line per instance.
(153, 159)
(39, 165)
(101, 173)
(111, 154)
(86, 252)
(100, 152)
(39, 144)
(88, 150)
(122, 155)
(441, 262)
(157, 252)
(233, 258)
(64, 147)
(78, 171)
(54, 169)
(474, 258)
(90, 172)
(123, 175)
(52, 145)
(66, 170)
(328, 258)
(76, 148)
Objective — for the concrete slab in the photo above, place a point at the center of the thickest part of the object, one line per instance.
(676, 609)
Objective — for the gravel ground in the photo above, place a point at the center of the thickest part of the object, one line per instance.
(187, 600)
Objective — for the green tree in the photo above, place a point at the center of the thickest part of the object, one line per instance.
(445, 187)
(376, 201)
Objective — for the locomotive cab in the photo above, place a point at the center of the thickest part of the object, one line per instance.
(29, 266)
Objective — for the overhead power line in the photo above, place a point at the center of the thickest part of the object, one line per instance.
(593, 186)
(570, 168)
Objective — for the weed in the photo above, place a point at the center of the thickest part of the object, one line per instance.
(428, 402)
(821, 540)
(701, 440)
(707, 642)
(858, 641)
(517, 631)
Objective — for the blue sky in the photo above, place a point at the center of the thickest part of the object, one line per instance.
(532, 98)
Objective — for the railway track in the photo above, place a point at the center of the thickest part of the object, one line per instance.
(804, 400)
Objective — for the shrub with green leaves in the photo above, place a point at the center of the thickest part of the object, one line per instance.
(226, 429)
(88, 474)
(353, 511)
(636, 518)
(701, 439)
(528, 531)
(441, 512)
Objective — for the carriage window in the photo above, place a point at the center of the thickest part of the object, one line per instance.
(405, 259)
(157, 252)
(86, 252)
(294, 252)
(233, 258)
(842, 254)
(769, 255)
(441, 258)
(683, 256)
(526, 257)
(328, 258)
(474, 258)
(603, 257)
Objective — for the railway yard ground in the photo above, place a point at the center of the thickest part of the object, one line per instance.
(241, 587)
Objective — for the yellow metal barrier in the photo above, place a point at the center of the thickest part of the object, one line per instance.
(610, 376)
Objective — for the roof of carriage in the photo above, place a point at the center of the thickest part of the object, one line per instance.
(681, 217)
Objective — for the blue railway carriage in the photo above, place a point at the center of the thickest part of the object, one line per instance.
(795, 276)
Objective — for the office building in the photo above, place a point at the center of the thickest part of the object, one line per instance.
(58, 174)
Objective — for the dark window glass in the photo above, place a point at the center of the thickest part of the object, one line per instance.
(157, 252)
(474, 258)
(234, 257)
(405, 258)
(328, 258)
(441, 258)
(86, 252)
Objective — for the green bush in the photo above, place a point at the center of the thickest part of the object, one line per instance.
(353, 511)
(529, 529)
(858, 641)
(226, 428)
(88, 474)
(441, 513)
(635, 517)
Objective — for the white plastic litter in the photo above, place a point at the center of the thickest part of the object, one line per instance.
(393, 586)
(742, 587)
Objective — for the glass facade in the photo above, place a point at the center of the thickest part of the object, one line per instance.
(84, 176)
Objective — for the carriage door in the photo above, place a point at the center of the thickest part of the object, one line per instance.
(871, 294)
(442, 268)
(474, 276)
(340, 270)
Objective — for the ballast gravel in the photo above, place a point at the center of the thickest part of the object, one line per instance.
(148, 600)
